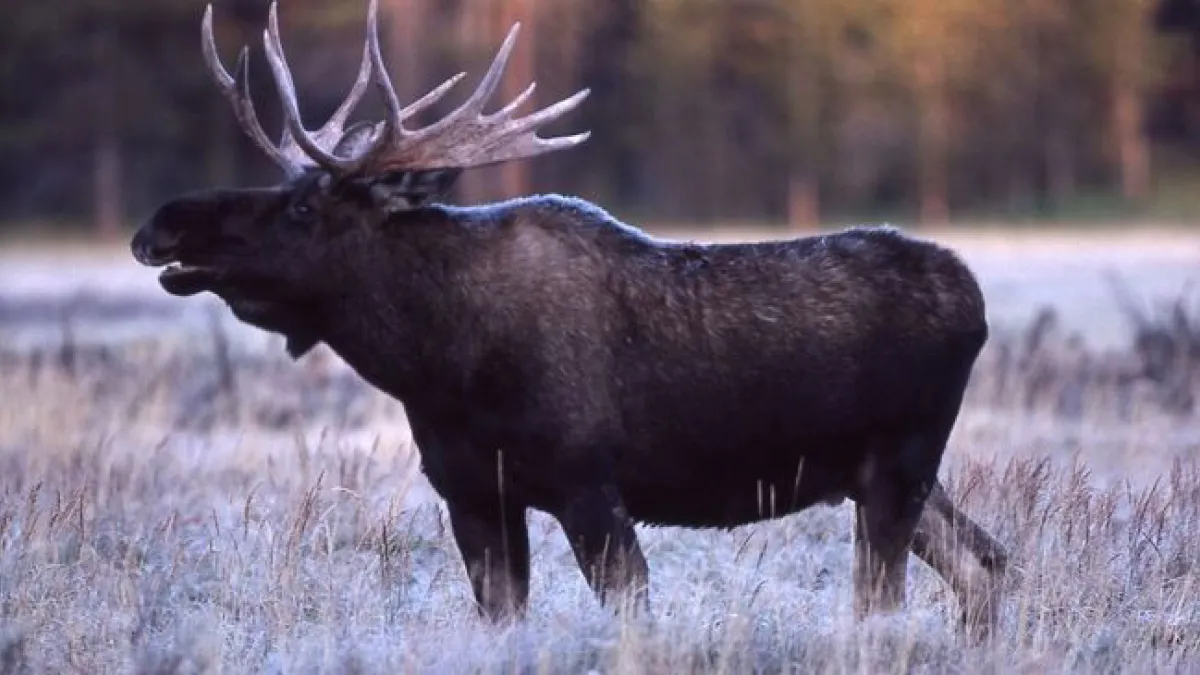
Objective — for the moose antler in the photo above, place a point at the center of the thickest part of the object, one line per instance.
(464, 138)
(290, 155)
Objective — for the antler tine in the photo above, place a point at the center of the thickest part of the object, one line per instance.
(384, 83)
(334, 127)
(516, 102)
(545, 115)
(431, 98)
(393, 131)
(484, 90)
(466, 137)
(333, 130)
(495, 72)
(287, 94)
(521, 133)
(237, 92)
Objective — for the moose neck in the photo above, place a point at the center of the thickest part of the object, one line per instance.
(390, 317)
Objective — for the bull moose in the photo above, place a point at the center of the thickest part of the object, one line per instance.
(552, 357)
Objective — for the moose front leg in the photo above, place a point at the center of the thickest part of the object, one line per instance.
(605, 544)
(495, 551)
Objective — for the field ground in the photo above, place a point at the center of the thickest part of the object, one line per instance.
(131, 541)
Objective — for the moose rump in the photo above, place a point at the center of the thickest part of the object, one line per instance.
(758, 390)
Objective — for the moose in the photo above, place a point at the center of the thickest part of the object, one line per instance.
(551, 357)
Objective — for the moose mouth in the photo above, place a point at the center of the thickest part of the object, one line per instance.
(183, 280)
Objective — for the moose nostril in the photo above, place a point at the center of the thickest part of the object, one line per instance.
(154, 248)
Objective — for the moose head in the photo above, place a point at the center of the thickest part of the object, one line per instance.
(275, 254)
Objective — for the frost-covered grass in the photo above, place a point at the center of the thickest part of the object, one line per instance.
(129, 544)
(159, 552)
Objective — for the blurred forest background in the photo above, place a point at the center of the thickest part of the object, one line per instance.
(763, 111)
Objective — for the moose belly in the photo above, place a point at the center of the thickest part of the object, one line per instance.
(709, 484)
(724, 453)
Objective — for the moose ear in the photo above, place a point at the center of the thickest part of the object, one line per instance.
(407, 190)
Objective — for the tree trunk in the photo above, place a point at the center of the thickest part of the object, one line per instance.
(1060, 168)
(804, 98)
(408, 21)
(221, 168)
(474, 32)
(1133, 155)
(514, 176)
(1021, 192)
(1128, 108)
(107, 197)
(106, 183)
(933, 140)
(934, 177)
(804, 206)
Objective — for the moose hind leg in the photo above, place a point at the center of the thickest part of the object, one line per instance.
(894, 483)
(605, 544)
(495, 551)
(966, 556)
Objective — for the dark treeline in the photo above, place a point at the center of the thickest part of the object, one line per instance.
(754, 110)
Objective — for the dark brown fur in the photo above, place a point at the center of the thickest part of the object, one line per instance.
(551, 357)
